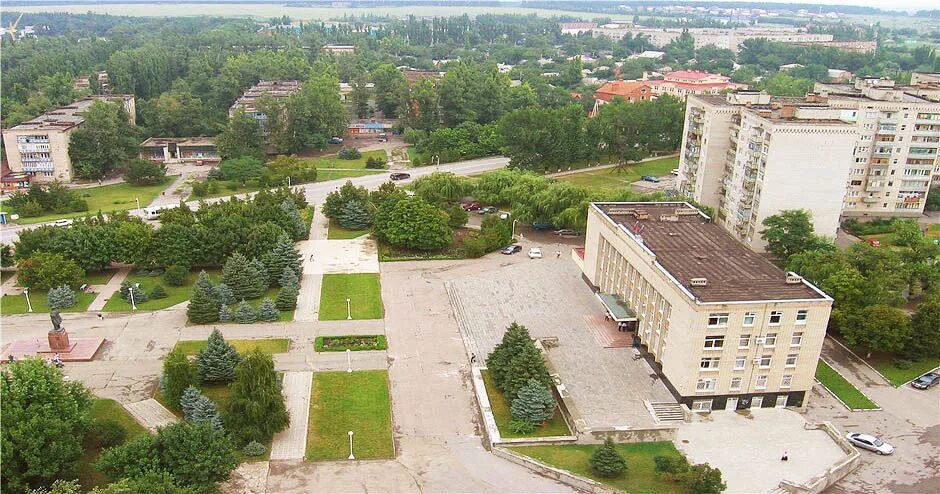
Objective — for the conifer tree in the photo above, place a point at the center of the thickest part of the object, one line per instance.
(62, 297)
(204, 303)
(287, 295)
(534, 402)
(245, 313)
(204, 411)
(226, 297)
(225, 314)
(282, 255)
(354, 216)
(267, 311)
(606, 461)
(216, 362)
(178, 374)
(188, 401)
(299, 227)
(241, 277)
(525, 365)
(515, 337)
(256, 409)
(261, 279)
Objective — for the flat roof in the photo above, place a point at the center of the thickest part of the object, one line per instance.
(68, 116)
(277, 90)
(689, 246)
(200, 141)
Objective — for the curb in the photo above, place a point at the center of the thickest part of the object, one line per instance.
(877, 406)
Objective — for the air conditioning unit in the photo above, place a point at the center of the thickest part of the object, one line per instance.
(759, 341)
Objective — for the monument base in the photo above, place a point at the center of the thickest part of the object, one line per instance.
(79, 349)
(59, 341)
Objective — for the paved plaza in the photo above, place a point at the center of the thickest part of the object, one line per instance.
(549, 297)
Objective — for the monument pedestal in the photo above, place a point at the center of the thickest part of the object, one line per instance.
(59, 341)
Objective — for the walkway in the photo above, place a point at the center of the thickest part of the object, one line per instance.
(308, 301)
(9, 286)
(151, 414)
(612, 165)
(105, 292)
(291, 444)
(172, 198)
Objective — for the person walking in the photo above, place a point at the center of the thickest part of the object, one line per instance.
(557, 254)
(473, 358)
(785, 457)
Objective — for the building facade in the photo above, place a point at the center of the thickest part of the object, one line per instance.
(180, 150)
(685, 83)
(730, 38)
(248, 102)
(631, 91)
(727, 329)
(39, 147)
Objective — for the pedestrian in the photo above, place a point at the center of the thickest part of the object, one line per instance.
(785, 457)
(11, 358)
(557, 254)
(606, 317)
(101, 316)
(473, 358)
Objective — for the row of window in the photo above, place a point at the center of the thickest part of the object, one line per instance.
(717, 342)
(720, 319)
(707, 384)
(756, 402)
(764, 362)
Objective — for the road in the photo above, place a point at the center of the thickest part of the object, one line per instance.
(317, 191)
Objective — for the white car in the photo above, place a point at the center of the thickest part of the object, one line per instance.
(62, 222)
(675, 171)
(535, 253)
(869, 442)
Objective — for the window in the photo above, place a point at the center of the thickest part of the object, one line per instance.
(765, 361)
(786, 381)
(761, 382)
(710, 363)
(735, 383)
(791, 360)
(749, 318)
(796, 339)
(714, 342)
(856, 182)
(718, 319)
(744, 341)
(739, 363)
(801, 316)
(702, 405)
(707, 384)
(770, 340)
(775, 317)
(781, 401)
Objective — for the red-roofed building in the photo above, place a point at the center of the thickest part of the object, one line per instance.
(682, 83)
(631, 91)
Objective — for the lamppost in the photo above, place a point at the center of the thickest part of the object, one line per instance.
(130, 290)
(348, 360)
(351, 457)
(29, 306)
(348, 310)
(138, 203)
(288, 181)
(514, 228)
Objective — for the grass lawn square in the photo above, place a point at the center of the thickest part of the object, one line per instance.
(107, 199)
(326, 174)
(267, 345)
(639, 478)
(174, 294)
(556, 426)
(333, 161)
(608, 178)
(849, 394)
(104, 409)
(337, 232)
(350, 401)
(363, 290)
(898, 377)
(16, 304)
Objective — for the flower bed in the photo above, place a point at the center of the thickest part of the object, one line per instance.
(351, 342)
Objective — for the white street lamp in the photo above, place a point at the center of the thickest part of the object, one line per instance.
(130, 290)
(288, 181)
(514, 228)
(138, 203)
(348, 360)
(348, 310)
(29, 305)
(351, 457)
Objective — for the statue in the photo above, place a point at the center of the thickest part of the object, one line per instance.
(56, 321)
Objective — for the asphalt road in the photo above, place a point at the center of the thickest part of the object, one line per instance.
(316, 192)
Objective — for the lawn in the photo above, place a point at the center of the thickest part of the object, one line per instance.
(500, 407)
(350, 401)
(337, 232)
(325, 174)
(16, 304)
(105, 409)
(362, 289)
(640, 478)
(267, 345)
(933, 231)
(107, 198)
(849, 394)
(354, 343)
(332, 161)
(899, 377)
(99, 277)
(609, 178)
(174, 294)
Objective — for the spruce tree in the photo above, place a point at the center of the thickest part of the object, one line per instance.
(158, 292)
(205, 412)
(188, 401)
(534, 403)
(178, 374)
(226, 297)
(245, 313)
(297, 223)
(204, 304)
(267, 311)
(282, 255)
(354, 216)
(225, 314)
(515, 337)
(216, 362)
(256, 409)
(261, 278)
(241, 277)
(62, 297)
(525, 365)
(287, 295)
(139, 295)
(606, 461)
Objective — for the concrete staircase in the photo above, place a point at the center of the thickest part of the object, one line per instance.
(462, 321)
(664, 411)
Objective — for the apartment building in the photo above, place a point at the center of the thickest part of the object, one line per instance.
(855, 153)
(730, 38)
(248, 102)
(631, 91)
(39, 147)
(727, 329)
(685, 83)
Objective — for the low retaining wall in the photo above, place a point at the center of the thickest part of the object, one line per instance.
(647, 435)
(834, 472)
(565, 477)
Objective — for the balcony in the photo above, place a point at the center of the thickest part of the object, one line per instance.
(875, 186)
(38, 167)
(871, 199)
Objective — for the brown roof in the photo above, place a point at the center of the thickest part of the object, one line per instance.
(624, 89)
(689, 246)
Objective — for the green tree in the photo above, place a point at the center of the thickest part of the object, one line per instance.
(256, 409)
(877, 328)
(440, 187)
(175, 275)
(456, 216)
(528, 364)
(497, 362)
(298, 227)
(189, 399)
(605, 461)
(217, 360)
(178, 374)
(44, 420)
(153, 482)
(906, 232)
(534, 403)
(244, 279)
(225, 294)
(336, 200)
(290, 290)
(143, 172)
(783, 84)
(283, 256)
(703, 479)
(925, 329)
(391, 89)
(62, 297)
(201, 410)
(244, 313)
(204, 303)
(789, 232)
(241, 137)
(225, 314)
(104, 142)
(414, 224)
(354, 216)
(44, 270)
(360, 98)
(267, 311)
(171, 114)
(423, 107)
(242, 169)
(473, 92)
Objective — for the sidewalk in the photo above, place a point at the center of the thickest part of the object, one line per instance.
(9, 286)
(612, 165)
(308, 302)
(105, 292)
(170, 199)
(853, 368)
(291, 443)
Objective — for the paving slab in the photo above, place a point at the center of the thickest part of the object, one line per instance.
(357, 255)
(105, 292)
(290, 444)
(151, 414)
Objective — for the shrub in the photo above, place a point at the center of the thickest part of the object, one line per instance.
(175, 275)
(606, 461)
(105, 433)
(375, 163)
(254, 448)
(703, 479)
(902, 364)
(474, 247)
(533, 403)
(671, 465)
(62, 297)
(201, 189)
(244, 313)
(144, 172)
(521, 426)
(348, 153)
(158, 292)
(456, 215)
(242, 169)
(267, 311)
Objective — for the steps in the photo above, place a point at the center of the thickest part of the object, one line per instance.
(150, 414)
(665, 411)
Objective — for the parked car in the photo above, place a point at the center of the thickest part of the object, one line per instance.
(486, 210)
(567, 232)
(512, 249)
(543, 226)
(336, 140)
(535, 253)
(62, 222)
(383, 137)
(471, 206)
(650, 178)
(874, 243)
(869, 442)
(399, 176)
(926, 381)
(674, 171)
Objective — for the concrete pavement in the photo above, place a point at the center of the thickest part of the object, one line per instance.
(106, 291)
(291, 443)
(150, 414)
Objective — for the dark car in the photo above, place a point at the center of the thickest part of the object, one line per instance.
(336, 140)
(471, 206)
(512, 249)
(543, 226)
(926, 381)
(486, 210)
(567, 233)
(399, 176)
(650, 178)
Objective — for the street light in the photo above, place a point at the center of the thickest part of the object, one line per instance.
(28, 304)
(348, 360)
(288, 181)
(138, 203)
(348, 310)
(130, 290)
(514, 228)
(351, 457)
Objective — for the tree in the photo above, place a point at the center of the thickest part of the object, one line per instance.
(189, 399)
(298, 227)
(202, 410)
(196, 455)
(204, 303)
(256, 409)
(241, 137)
(157, 292)
(440, 187)
(243, 278)
(267, 311)
(472, 91)
(225, 314)
(545, 139)
(906, 232)
(104, 141)
(152, 482)
(144, 172)
(283, 256)
(456, 216)
(258, 267)
(44, 270)
(534, 403)
(44, 420)
(423, 108)
(391, 89)
(414, 224)
(360, 98)
(703, 479)
(171, 114)
(789, 232)
(175, 275)
(244, 313)
(62, 297)
(514, 339)
(783, 84)
(605, 461)
(287, 295)
(217, 360)
(178, 374)
(925, 329)
(242, 169)
(354, 216)
(877, 328)
(225, 294)
(139, 296)
(524, 366)
(336, 200)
